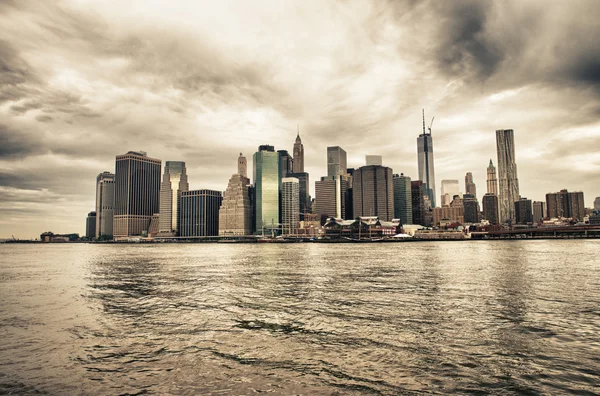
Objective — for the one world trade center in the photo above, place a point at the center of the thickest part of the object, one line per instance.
(425, 158)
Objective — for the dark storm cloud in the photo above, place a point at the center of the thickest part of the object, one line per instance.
(16, 144)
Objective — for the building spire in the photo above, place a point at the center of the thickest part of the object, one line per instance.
(491, 164)
(298, 130)
(423, 121)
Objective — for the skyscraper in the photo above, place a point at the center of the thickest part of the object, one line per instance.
(469, 185)
(286, 163)
(471, 208)
(450, 188)
(199, 213)
(373, 192)
(538, 211)
(336, 161)
(507, 174)
(402, 199)
(235, 213)
(425, 162)
(565, 204)
(330, 193)
(523, 211)
(90, 225)
(304, 190)
(137, 189)
(266, 184)
(105, 201)
(174, 182)
(490, 208)
(492, 182)
(298, 154)
(417, 193)
(290, 205)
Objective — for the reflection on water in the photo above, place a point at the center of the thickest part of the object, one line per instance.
(460, 317)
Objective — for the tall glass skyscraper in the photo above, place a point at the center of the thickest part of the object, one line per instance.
(425, 162)
(199, 213)
(266, 183)
(402, 199)
(105, 202)
(507, 175)
(336, 161)
(174, 182)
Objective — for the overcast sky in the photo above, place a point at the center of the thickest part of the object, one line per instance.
(82, 81)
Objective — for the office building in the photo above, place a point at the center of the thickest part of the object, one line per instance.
(90, 225)
(298, 154)
(349, 215)
(451, 214)
(174, 182)
(450, 188)
(469, 185)
(105, 201)
(402, 199)
(523, 211)
(373, 192)
(330, 194)
(266, 189)
(507, 174)
(417, 193)
(539, 211)
(425, 162)
(235, 213)
(471, 208)
(373, 160)
(199, 213)
(490, 208)
(566, 204)
(286, 163)
(492, 181)
(597, 204)
(336, 161)
(290, 205)
(137, 191)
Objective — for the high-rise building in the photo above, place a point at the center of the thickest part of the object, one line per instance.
(490, 208)
(373, 192)
(417, 193)
(470, 187)
(330, 194)
(471, 208)
(453, 213)
(402, 199)
(425, 162)
(450, 188)
(174, 182)
(105, 201)
(90, 225)
(523, 211)
(199, 213)
(566, 204)
(304, 192)
(137, 190)
(286, 163)
(235, 213)
(597, 204)
(349, 200)
(290, 205)
(373, 160)
(538, 211)
(336, 161)
(492, 182)
(507, 174)
(298, 154)
(266, 188)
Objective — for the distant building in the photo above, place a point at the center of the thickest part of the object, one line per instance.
(417, 193)
(90, 225)
(174, 182)
(492, 181)
(597, 204)
(330, 196)
(523, 211)
(373, 192)
(235, 213)
(507, 174)
(266, 189)
(286, 163)
(402, 199)
(450, 188)
(199, 213)
(298, 154)
(154, 227)
(105, 201)
(471, 208)
(453, 213)
(490, 208)
(304, 192)
(470, 187)
(373, 160)
(336, 161)
(290, 205)
(539, 211)
(425, 162)
(565, 204)
(137, 189)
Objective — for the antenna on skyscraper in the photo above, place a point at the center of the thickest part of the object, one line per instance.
(430, 124)
(298, 129)
(423, 121)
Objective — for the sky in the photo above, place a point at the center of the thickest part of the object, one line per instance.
(82, 81)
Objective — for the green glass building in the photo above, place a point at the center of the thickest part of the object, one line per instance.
(267, 185)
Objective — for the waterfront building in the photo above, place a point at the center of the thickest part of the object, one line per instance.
(298, 155)
(199, 213)
(154, 227)
(402, 199)
(492, 182)
(330, 194)
(490, 208)
(290, 205)
(174, 182)
(565, 204)
(425, 162)
(373, 192)
(539, 212)
(105, 201)
(470, 187)
(471, 208)
(373, 160)
(336, 161)
(523, 211)
(266, 189)
(507, 174)
(417, 193)
(137, 190)
(90, 225)
(235, 213)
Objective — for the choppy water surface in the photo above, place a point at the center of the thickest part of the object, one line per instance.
(505, 317)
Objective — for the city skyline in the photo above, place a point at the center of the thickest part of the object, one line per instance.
(81, 86)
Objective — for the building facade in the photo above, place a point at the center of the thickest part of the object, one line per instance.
(402, 199)
(565, 204)
(330, 194)
(450, 188)
(425, 163)
(492, 181)
(199, 213)
(90, 225)
(266, 189)
(470, 187)
(137, 191)
(336, 161)
(507, 174)
(523, 211)
(105, 201)
(417, 193)
(373, 192)
(490, 208)
(304, 192)
(235, 213)
(451, 214)
(290, 205)
(539, 211)
(298, 154)
(174, 182)
(471, 208)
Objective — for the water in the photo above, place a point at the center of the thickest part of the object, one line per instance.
(503, 317)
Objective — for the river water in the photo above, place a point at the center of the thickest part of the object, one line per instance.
(502, 317)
